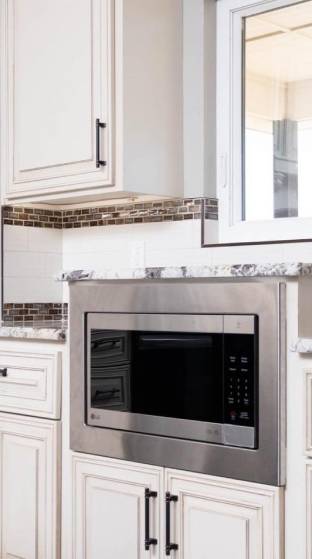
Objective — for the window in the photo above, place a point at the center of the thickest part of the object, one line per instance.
(265, 120)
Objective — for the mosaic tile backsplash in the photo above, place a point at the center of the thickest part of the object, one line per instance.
(28, 314)
(117, 214)
(32, 217)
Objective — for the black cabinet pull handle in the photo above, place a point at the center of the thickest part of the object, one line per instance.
(4, 372)
(148, 540)
(169, 546)
(99, 125)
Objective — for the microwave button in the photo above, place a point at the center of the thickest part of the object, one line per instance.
(233, 415)
(232, 370)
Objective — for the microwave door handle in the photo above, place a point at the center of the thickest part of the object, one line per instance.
(173, 342)
(162, 339)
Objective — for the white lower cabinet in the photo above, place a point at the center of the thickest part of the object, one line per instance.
(309, 509)
(197, 516)
(29, 489)
(222, 519)
(109, 509)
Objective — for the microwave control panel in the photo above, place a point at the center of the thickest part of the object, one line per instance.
(240, 380)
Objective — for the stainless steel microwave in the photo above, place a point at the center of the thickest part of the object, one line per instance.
(192, 377)
(182, 374)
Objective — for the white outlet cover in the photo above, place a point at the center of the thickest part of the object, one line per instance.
(137, 254)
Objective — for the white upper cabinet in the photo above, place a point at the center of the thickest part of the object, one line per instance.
(91, 99)
(57, 73)
(264, 119)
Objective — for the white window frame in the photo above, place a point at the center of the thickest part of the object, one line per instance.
(232, 229)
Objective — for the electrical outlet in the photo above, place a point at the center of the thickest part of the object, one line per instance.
(137, 254)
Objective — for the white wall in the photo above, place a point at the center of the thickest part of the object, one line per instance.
(32, 258)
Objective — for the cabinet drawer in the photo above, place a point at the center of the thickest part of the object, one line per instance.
(30, 384)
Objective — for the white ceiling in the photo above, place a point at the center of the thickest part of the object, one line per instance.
(279, 43)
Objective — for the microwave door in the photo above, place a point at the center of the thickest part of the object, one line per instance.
(181, 372)
(170, 375)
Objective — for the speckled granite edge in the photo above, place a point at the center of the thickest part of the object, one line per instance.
(284, 269)
(302, 345)
(21, 332)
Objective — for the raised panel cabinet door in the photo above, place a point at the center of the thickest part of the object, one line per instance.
(109, 509)
(29, 489)
(56, 67)
(217, 518)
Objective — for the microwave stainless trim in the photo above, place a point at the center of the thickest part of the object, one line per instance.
(264, 299)
(226, 434)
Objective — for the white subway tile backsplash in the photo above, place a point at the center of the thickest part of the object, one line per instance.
(24, 264)
(33, 257)
(52, 264)
(18, 290)
(43, 240)
(15, 238)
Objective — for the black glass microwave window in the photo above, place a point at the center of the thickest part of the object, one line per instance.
(203, 377)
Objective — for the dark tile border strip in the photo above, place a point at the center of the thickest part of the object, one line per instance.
(32, 217)
(117, 214)
(28, 314)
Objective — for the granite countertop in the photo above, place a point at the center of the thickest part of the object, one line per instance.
(52, 331)
(45, 331)
(283, 269)
(302, 345)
